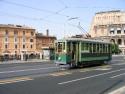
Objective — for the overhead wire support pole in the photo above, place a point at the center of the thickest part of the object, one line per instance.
(86, 33)
(80, 27)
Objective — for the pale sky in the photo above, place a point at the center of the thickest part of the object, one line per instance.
(61, 17)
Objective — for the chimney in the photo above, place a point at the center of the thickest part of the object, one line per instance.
(47, 32)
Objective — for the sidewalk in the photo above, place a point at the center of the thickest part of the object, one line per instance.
(118, 91)
(20, 61)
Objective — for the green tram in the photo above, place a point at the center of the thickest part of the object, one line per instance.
(80, 52)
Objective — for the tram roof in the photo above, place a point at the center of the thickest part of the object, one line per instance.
(82, 39)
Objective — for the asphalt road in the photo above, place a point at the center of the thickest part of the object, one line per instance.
(24, 69)
(47, 79)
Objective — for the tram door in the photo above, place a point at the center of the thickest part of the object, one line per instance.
(75, 51)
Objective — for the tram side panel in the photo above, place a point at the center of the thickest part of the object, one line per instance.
(91, 52)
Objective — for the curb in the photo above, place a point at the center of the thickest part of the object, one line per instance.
(19, 62)
(118, 91)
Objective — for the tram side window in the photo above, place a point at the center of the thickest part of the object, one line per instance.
(100, 48)
(103, 48)
(56, 47)
(106, 48)
(109, 49)
(94, 48)
(68, 47)
(64, 46)
(83, 46)
(86, 46)
(97, 48)
(90, 47)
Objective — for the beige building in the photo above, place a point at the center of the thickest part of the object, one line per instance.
(16, 40)
(45, 45)
(110, 25)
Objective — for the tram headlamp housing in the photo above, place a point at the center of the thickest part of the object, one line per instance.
(59, 58)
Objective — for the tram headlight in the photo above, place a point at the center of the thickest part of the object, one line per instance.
(59, 58)
(64, 51)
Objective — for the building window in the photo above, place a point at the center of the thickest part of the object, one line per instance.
(31, 46)
(102, 30)
(24, 39)
(15, 52)
(118, 31)
(15, 39)
(31, 40)
(23, 32)
(113, 41)
(6, 39)
(119, 41)
(15, 32)
(23, 46)
(112, 32)
(124, 31)
(16, 46)
(32, 33)
(6, 32)
(6, 46)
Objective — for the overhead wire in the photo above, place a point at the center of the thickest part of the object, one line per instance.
(85, 32)
(60, 10)
(30, 18)
(37, 9)
(18, 16)
(63, 3)
(96, 7)
(46, 11)
(57, 12)
(34, 8)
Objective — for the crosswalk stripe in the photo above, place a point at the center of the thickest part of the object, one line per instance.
(14, 80)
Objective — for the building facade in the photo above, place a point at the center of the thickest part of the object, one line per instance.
(16, 40)
(110, 25)
(45, 44)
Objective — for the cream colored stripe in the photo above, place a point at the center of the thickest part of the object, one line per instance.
(14, 80)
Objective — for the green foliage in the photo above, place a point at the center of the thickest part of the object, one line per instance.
(115, 49)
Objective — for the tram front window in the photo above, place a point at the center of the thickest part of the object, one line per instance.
(60, 47)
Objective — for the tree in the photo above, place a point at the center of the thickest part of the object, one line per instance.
(115, 49)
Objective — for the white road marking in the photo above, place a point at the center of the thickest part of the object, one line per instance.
(117, 75)
(106, 67)
(66, 82)
(118, 91)
(118, 60)
(119, 64)
(27, 70)
(103, 69)
(60, 73)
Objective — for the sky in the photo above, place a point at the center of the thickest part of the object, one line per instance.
(63, 18)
